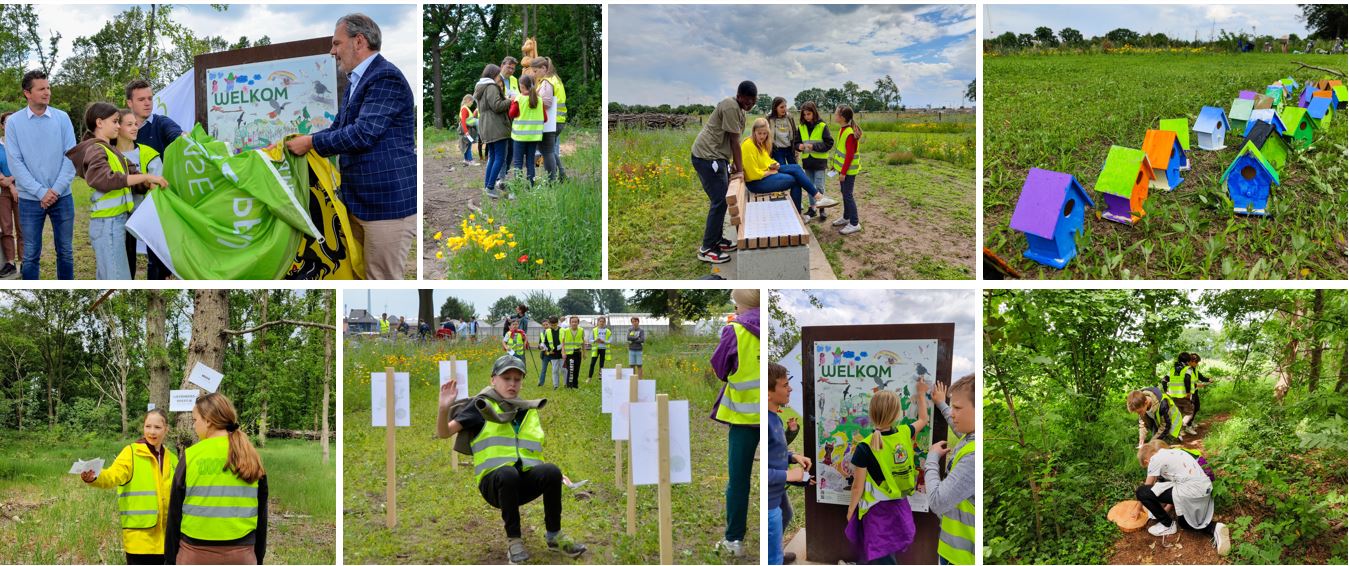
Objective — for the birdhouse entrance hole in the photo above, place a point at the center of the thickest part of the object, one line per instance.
(1302, 126)
(1068, 207)
(1248, 173)
(1217, 126)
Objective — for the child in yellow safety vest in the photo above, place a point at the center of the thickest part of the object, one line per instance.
(142, 474)
(880, 520)
(528, 117)
(468, 128)
(515, 342)
(845, 159)
(950, 489)
(814, 142)
(148, 161)
(218, 514)
(736, 361)
(573, 342)
(600, 337)
(112, 177)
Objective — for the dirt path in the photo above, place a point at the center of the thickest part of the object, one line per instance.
(1189, 547)
(450, 192)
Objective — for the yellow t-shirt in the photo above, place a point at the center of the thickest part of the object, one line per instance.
(755, 160)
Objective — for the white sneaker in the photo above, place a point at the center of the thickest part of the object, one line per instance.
(1160, 530)
(825, 202)
(851, 229)
(838, 223)
(1222, 538)
(732, 547)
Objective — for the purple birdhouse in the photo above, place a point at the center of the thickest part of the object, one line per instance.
(1050, 212)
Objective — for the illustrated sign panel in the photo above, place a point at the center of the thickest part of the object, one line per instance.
(255, 105)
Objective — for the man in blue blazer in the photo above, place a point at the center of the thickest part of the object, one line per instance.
(375, 136)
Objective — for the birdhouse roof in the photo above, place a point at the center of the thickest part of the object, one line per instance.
(1040, 206)
(1269, 116)
(1241, 109)
(1122, 166)
(1260, 134)
(1340, 91)
(1335, 98)
(1249, 152)
(1160, 145)
(1181, 126)
(1289, 82)
(1209, 118)
(1292, 115)
(1247, 94)
(1318, 107)
(1262, 102)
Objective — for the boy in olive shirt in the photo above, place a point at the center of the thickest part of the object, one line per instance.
(716, 154)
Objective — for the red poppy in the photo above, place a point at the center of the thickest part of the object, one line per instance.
(523, 258)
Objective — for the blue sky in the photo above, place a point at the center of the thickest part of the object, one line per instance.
(399, 23)
(1182, 21)
(869, 306)
(680, 54)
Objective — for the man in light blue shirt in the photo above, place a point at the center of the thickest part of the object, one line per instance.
(36, 141)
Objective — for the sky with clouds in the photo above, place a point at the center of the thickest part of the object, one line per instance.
(681, 54)
(400, 25)
(1182, 21)
(870, 306)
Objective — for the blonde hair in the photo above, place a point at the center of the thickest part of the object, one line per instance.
(963, 386)
(544, 67)
(466, 100)
(767, 144)
(1148, 450)
(884, 409)
(748, 298)
(218, 411)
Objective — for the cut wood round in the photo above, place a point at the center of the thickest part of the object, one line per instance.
(1129, 515)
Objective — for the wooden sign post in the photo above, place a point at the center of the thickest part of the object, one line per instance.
(618, 444)
(666, 527)
(390, 454)
(632, 489)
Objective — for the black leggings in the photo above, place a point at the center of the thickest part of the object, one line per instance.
(144, 558)
(598, 356)
(1154, 503)
(1194, 398)
(507, 488)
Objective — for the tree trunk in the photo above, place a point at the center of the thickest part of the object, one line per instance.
(150, 44)
(210, 318)
(437, 78)
(156, 349)
(264, 374)
(426, 307)
(1318, 347)
(582, 17)
(327, 372)
(524, 25)
(1344, 370)
(673, 319)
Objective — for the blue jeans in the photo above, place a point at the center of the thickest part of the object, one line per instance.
(545, 362)
(783, 155)
(496, 161)
(506, 160)
(108, 238)
(849, 203)
(524, 152)
(634, 357)
(32, 217)
(468, 152)
(775, 535)
(788, 178)
(817, 177)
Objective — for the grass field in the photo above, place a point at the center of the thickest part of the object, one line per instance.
(915, 197)
(550, 232)
(1064, 112)
(443, 518)
(50, 517)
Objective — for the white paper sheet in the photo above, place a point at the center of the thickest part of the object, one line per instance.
(181, 400)
(460, 373)
(205, 377)
(645, 443)
(402, 409)
(618, 420)
(608, 395)
(80, 466)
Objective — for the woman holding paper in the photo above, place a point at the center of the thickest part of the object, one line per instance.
(218, 503)
(141, 473)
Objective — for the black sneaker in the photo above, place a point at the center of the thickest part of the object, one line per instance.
(563, 543)
(726, 245)
(9, 272)
(714, 256)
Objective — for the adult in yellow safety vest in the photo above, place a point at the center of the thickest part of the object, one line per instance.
(600, 337)
(884, 474)
(142, 474)
(111, 176)
(218, 507)
(384, 324)
(736, 361)
(573, 341)
(950, 489)
(505, 436)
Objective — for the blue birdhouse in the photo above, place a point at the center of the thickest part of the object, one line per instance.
(1050, 212)
(1250, 179)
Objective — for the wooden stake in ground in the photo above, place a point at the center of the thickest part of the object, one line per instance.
(618, 444)
(632, 489)
(666, 527)
(390, 477)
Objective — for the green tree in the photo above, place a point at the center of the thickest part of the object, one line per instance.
(1327, 21)
(1122, 36)
(503, 307)
(456, 309)
(887, 92)
(609, 300)
(541, 305)
(1070, 36)
(576, 301)
(1045, 36)
(679, 305)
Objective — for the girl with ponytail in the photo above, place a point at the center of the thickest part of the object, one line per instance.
(528, 119)
(845, 158)
(218, 510)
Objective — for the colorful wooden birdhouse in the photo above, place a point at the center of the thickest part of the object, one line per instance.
(1268, 116)
(1262, 101)
(1275, 92)
(1181, 126)
(1240, 112)
(1124, 184)
(1289, 85)
(1321, 110)
(1266, 138)
(1299, 126)
(1334, 98)
(1250, 179)
(1247, 94)
(1341, 95)
(1211, 127)
(1166, 157)
(1306, 97)
(1051, 212)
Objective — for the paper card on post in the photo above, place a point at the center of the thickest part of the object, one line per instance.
(460, 372)
(149, 407)
(618, 420)
(609, 395)
(81, 466)
(402, 411)
(645, 445)
(181, 400)
(205, 377)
